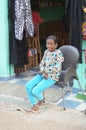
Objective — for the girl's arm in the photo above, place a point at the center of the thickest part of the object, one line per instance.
(42, 63)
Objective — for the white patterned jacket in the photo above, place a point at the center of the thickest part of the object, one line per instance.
(52, 63)
(23, 19)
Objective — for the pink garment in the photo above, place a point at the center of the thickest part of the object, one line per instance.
(29, 53)
(32, 52)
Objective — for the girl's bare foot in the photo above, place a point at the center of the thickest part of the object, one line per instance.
(33, 110)
(35, 107)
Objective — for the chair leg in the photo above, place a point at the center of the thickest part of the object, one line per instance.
(85, 111)
(63, 100)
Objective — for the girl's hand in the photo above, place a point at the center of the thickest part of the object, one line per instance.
(45, 75)
(41, 72)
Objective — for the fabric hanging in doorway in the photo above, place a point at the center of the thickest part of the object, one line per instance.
(74, 10)
(84, 20)
(18, 48)
(23, 19)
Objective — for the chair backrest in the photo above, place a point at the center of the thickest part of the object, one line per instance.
(71, 56)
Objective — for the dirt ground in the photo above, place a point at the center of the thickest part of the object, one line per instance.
(53, 118)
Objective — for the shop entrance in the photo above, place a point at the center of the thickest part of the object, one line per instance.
(55, 22)
(28, 52)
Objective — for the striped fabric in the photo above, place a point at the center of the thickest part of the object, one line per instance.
(23, 19)
(32, 52)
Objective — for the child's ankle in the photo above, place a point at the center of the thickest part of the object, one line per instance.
(40, 102)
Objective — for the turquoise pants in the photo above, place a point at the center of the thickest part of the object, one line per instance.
(36, 86)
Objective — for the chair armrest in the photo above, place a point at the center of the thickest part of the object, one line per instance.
(65, 76)
(69, 74)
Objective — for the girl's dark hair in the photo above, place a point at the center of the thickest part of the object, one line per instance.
(54, 38)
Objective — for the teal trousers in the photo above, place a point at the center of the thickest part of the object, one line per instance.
(36, 86)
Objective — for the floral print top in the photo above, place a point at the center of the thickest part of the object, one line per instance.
(52, 63)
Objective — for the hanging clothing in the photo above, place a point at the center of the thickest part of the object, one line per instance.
(84, 20)
(18, 49)
(23, 19)
(12, 43)
(84, 30)
(22, 58)
(74, 12)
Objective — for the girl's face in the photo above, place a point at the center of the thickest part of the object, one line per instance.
(51, 45)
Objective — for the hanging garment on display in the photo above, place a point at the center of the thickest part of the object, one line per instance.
(84, 30)
(18, 49)
(84, 23)
(12, 43)
(74, 10)
(23, 19)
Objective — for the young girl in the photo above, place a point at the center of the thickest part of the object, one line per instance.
(50, 69)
